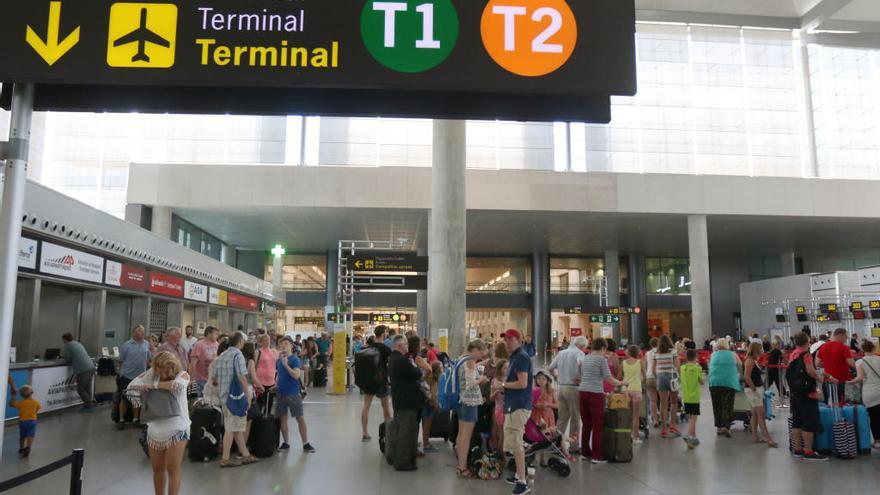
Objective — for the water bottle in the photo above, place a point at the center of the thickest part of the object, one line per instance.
(530, 476)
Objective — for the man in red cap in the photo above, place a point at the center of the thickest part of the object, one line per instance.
(517, 406)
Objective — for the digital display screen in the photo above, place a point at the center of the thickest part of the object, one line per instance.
(874, 304)
(828, 308)
(856, 306)
(858, 315)
(802, 317)
(780, 318)
(800, 310)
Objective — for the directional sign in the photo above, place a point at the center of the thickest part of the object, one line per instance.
(874, 304)
(520, 57)
(389, 262)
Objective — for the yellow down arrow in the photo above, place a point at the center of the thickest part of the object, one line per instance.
(51, 50)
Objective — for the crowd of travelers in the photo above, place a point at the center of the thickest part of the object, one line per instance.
(492, 399)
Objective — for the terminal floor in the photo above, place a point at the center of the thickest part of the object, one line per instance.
(115, 464)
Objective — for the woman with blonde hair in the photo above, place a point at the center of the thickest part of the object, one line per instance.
(166, 436)
(754, 377)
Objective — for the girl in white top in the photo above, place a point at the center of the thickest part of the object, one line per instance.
(166, 437)
(651, 383)
(868, 374)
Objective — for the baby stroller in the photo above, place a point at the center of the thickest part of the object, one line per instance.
(541, 444)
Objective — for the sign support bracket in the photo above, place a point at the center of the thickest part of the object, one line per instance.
(14, 152)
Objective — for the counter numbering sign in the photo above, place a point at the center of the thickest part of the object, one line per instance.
(142, 35)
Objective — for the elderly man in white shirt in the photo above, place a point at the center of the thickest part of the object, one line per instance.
(565, 367)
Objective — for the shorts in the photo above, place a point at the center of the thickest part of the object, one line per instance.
(805, 414)
(635, 397)
(515, 428)
(122, 383)
(755, 397)
(27, 429)
(233, 423)
(289, 404)
(468, 414)
(664, 382)
(381, 391)
(651, 383)
(692, 409)
(428, 413)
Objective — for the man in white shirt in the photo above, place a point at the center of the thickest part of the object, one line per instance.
(819, 343)
(565, 367)
(188, 341)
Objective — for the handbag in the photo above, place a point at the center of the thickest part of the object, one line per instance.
(158, 404)
(236, 398)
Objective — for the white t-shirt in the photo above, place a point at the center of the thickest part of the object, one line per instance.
(815, 347)
(871, 385)
(649, 358)
(188, 342)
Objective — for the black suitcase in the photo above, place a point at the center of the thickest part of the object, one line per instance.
(387, 437)
(319, 377)
(265, 434)
(206, 434)
(440, 425)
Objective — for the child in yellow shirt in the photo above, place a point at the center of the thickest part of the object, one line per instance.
(27, 418)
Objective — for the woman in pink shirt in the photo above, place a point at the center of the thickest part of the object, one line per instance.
(265, 359)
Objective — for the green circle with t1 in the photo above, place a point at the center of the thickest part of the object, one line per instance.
(409, 35)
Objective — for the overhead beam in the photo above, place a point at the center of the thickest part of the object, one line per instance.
(869, 41)
(855, 26)
(822, 12)
(685, 17)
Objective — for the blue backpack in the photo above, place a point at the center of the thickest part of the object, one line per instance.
(449, 387)
(236, 400)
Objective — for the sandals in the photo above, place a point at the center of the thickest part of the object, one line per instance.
(230, 463)
(771, 444)
(249, 460)
(464, 473)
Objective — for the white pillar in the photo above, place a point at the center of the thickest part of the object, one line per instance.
(161, 225)
(612, 277)
(447, 230)
(14, 186)
(277, 271)
(701, 297)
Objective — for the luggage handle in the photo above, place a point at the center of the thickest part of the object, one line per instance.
(267, 393)
(835, 402)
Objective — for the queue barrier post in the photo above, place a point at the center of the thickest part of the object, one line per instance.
(76, 471)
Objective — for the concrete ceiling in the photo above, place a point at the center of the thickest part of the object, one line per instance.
(772, 8)
(493, 233)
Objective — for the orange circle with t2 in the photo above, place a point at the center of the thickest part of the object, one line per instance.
(529, 37)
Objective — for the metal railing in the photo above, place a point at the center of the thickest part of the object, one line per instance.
(498, 288)
(76, 460)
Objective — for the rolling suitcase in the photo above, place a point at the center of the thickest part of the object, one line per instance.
(387, 437)
(319, 377)
(265, 433)
(858, 416)
(617, 436)
(825, 439)
(742, 410)
(206, 433)
(846, 444)
(440, 425)
(114, 410)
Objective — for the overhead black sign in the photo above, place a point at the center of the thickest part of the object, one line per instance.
(388, 262)
(516, 51)
(390, 282)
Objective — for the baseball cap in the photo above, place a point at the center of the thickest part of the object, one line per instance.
(512, 333)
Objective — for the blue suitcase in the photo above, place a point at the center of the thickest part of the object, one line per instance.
(858, 415)
(825, 439)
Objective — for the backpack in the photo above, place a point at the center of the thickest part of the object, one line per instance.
(800, 383)
(449, 388)
(367, 369)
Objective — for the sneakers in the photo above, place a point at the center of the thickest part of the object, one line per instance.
(674, 431)
(521, 488)
(366, 438)
(511, 480)
(284, 446)
(308, 449)
(599, 461)
(25, 452)
(637, 441)
(430, 449)
(695, 440)
(120, 426)
(689, 442)
(664, 433)
(815, 456)
(798, 453)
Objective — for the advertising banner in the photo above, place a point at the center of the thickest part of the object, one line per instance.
(242, 302)
(113, 274)
(166, 285)
(218, 296)
(195, 292)
(27, 253)
(70, 263)
(133, 278)
(55, 387)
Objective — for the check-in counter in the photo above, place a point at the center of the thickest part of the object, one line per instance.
(54, 384)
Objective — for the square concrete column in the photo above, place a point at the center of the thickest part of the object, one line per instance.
(638, 298)
(787, 260)
(422, 305)
(94, 304)
(447, 230)
(332, 272)
(540, 302)
(140, 315)
(161, 222)
(612, 277)
(175, 316)
(701, 295)
(26, 318)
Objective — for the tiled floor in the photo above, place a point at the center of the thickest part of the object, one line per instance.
(115, 464)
